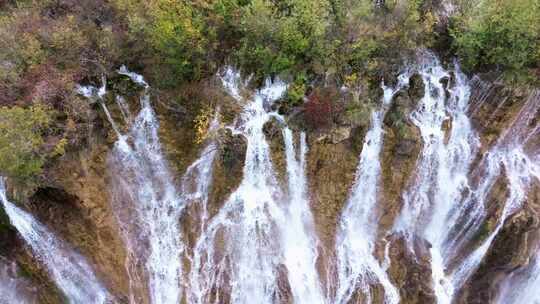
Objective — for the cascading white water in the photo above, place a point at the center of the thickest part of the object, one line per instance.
(147, 205)
(239, 252)
(523, 286)
(357, 266)
(68, 269)
(429, 118)
(197, 181)
(261, 246)
(13, 289)
(511, 154)
(240, 256)
(434, 207)
(145, 200)
(299, 241)
(431, 201)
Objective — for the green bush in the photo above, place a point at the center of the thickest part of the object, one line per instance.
(174, 35)
(499, 33)
(21, 140)
(286, 36)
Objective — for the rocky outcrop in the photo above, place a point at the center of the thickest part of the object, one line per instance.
(511, 250)
(493, 107)
(77, 207)
(331, 171)
(402, 145)
(411, 269)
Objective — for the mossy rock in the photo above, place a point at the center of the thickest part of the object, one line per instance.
(416, 89)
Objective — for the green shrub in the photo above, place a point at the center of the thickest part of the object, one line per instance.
(178, 36)
(286, 36)
(499, 33)
(177, 33)
(21, 139)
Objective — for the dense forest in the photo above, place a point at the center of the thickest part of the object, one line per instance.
(317, 45)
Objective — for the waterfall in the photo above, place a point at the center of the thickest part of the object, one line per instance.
(246, 266)
(357, 266)
(299, 241)
(523, 285)
(509, 153)
(261, 246)
(13, 288)
(197, 181)
(513, 154)
(429, 118)
(431, 201)
(68, 269)
(241, 255)
(147, 205)
(435, 206)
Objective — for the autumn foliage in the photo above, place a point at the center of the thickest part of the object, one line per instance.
(320, 109)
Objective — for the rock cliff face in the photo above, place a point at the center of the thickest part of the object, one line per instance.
(74, 199)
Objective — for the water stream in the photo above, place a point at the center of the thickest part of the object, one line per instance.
(13, 287)
(68, 269)
(358, 268)
(260, 248)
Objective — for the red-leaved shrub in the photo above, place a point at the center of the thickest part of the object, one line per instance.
(320, 109)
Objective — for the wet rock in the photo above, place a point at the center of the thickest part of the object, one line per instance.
(511, 250)
(402, 145)
(274, 135)
(339, 134)
(416, 87)
(335, 135)
(447, 82)
(228, 168)
(357, 139)
(447, 129)
(406, 147)
(410, 269)
(272, 128)
(331, 170)
(398, 113)
(493, 107)
(74, 203)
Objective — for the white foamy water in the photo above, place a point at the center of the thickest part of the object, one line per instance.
(68, 269)
(432, 204)
(13, 288)
(358, 269)
(441, 205)
(236, 258)
(147, 205)
(299, 238)
(197, 181)
(260, 247)
(521, 166)
(145, 201)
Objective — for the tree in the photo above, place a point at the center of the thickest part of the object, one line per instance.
(21, 139)
(499, 33)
